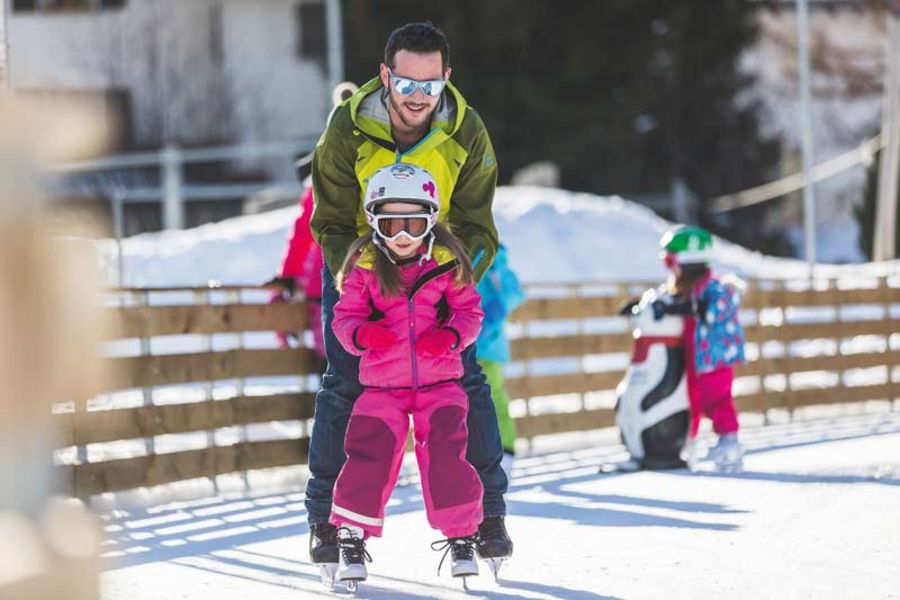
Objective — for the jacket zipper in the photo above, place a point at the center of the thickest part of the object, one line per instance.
(412, 343)
(412, 314)
(401, 155)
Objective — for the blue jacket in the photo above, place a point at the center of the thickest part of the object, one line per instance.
(501, 293)
(718, 337)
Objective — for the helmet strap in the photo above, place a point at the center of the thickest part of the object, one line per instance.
(379, 243)
(427, 255)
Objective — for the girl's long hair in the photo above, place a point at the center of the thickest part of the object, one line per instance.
(387, 272)
(689, 276)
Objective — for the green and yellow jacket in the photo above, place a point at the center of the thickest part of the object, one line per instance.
(357, 142)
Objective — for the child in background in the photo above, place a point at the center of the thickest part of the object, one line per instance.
(300, 278)
(501, 293)
(714, 339)
(408, 307)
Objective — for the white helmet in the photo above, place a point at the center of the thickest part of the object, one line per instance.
(401, 182)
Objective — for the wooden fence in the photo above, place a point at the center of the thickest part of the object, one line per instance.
(569, 352)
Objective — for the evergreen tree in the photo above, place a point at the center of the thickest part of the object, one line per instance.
(624, 95)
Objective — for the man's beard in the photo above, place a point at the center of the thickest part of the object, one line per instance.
(398, 110)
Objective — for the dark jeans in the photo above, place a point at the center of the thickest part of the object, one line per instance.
(334, 401)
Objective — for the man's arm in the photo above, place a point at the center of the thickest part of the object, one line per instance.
(471, 216)
(335, 193)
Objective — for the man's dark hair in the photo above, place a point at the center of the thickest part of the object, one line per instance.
(421, 38)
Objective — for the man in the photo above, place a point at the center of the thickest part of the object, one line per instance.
(409, 113)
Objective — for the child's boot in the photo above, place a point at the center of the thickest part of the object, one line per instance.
(353, 555)
(727, 454)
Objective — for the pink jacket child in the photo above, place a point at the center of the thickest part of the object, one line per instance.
(408, 370)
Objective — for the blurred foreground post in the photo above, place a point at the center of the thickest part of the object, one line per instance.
(50, 328)
(889, 166)
(4, 48)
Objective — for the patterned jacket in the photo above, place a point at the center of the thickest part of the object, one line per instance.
(718, 336)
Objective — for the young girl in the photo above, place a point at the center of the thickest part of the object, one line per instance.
(714, 339)
(408, 307)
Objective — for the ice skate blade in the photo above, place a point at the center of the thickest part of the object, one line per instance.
(327, 571)
(352, 586)
(494, 565)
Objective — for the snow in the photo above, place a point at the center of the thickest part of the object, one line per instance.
(814, 514)
(553, 235)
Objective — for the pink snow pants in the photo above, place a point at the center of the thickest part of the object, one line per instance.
(709, 393)
(374, 444)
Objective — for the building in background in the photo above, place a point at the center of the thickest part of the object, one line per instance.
(186, 73)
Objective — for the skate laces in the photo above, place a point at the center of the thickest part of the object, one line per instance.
(353, 549)
(461, 548)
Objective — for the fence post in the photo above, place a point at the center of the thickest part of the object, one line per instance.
(147, 392)
(885, 289)
(203, 297)
(235, 298)
(118, 197)
(173, 199)
(785, 339)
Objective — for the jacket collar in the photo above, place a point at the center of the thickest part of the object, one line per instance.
(440, 256)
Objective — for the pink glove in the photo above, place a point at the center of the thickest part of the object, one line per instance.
(437, 342)
(372, 336)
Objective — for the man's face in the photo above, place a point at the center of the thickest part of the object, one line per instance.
(414, 111)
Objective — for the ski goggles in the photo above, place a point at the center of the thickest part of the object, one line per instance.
(415, 226)
(407, 87)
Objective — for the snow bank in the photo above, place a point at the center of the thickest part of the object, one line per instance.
(553, 236)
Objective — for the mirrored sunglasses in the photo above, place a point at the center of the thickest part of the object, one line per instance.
(407, 87)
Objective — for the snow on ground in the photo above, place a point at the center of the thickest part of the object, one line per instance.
(553, 236)
(816, 513)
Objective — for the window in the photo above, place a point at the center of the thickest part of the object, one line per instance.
(64, 5)
(312, 42)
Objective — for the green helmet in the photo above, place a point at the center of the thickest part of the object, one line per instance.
(687, 244)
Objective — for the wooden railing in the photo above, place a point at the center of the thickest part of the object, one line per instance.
(575, 323)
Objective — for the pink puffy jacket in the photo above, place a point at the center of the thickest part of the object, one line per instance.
(409, 315)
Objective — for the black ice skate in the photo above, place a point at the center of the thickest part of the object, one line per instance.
(323, 550)
(462, 556)
(494, 546)
(353, 556)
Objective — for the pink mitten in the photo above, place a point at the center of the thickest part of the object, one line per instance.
(372, 336)
(436, 342)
